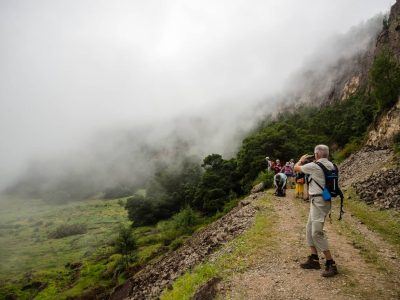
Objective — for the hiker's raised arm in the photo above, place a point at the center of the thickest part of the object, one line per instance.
(297, 166)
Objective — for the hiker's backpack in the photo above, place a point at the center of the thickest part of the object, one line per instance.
(331, 189)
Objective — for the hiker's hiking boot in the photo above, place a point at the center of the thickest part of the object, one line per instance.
(311, 263)
(330, 269)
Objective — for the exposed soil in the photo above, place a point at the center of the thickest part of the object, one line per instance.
(278, 275)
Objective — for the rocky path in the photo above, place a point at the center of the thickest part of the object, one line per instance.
(278, 276)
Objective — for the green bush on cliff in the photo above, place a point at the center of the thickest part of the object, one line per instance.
(385, 80)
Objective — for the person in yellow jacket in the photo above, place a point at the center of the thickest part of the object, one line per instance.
(300, 181)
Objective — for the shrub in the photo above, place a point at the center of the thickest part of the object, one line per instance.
(126, 245)
(185, 219)
(175, 244)
(350, 148)
(219, 183)
(125, 242)
(140, 211)
(267, 177)
(182, 223)
(68, 230)
(385, 23)
(385, 80)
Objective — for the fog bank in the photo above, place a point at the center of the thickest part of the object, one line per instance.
(93, 93)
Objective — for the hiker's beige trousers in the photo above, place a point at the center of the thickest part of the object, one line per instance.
(319, 209)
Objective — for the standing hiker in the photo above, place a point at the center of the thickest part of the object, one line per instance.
(319, 209)
(300, 181)
(288, 171)
(277, 166)
(269, 162)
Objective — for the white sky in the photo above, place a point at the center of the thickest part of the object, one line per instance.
(70, 68)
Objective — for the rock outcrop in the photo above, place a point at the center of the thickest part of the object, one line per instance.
(388, 127)
(362, 164)
(149, 282)
(375, 176)
(381, 189)
(258, 188)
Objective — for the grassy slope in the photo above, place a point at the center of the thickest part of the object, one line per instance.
(243, 253)
(24, 234)
(27, 254)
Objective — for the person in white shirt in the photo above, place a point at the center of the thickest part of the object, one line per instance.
(319, 209)
(269, 162)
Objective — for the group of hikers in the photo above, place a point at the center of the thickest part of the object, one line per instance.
(285, 177)
(321, 177)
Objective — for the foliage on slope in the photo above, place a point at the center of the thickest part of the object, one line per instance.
(342, 125)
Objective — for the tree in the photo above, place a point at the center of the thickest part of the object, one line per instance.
(126, 245)
(219, 183)
(385, 80)
(141, 211)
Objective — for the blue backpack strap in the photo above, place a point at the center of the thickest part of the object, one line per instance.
(321, 165)
(340, 193)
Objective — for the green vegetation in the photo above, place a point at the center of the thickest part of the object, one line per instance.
(219, 184)
(245, 253)
(34, 265)
(384, 222)
(76, 248)
(385, 23)
(181, 225)
(171, 189)
(174, 188)
(341, 125)
(385, 81)
(266, 177)
(126, 245)
(65, 230)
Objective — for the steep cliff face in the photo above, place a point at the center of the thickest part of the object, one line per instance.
(374, 170)
(390, 36)
(349, 81)
(387, 128)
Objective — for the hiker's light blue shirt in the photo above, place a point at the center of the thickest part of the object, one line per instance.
(283, 178)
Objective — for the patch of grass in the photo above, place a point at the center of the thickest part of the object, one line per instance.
(350, 148)
(385, 222)
(65, 230)
(26, 251)
(267, 177)
(367, 249)
(244, 252)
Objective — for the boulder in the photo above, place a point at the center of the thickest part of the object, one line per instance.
(258, 188)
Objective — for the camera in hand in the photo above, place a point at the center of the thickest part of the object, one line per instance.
(308, 159)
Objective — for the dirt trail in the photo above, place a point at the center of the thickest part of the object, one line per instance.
(278, 275)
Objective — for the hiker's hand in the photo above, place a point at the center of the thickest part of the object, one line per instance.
(302, 159)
